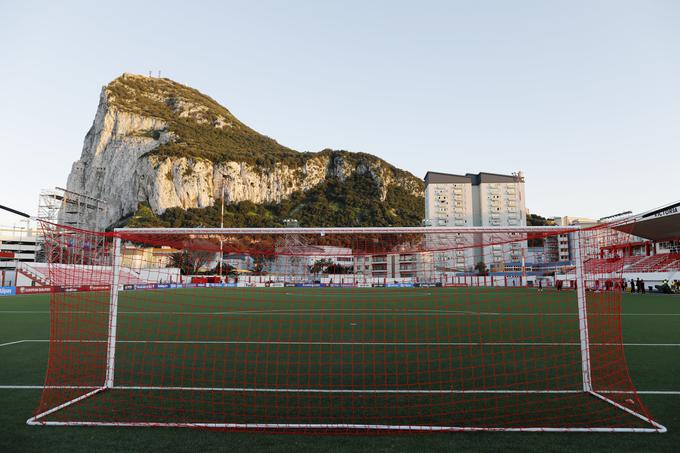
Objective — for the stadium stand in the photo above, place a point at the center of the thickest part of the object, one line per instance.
(602, 266)
(73, 274)
(672, 262)
(664, 262)
(656, 263)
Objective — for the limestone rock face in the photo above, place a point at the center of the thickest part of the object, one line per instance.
(119, 163)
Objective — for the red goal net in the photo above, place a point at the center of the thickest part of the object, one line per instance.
(350, 330)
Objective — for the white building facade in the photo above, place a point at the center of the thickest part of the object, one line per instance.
(17, 245)
(484, 200)
(296, 261)
(416, 266)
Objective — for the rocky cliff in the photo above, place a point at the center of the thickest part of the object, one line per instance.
(159, 143)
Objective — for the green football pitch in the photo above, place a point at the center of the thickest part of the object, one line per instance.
(651, 333)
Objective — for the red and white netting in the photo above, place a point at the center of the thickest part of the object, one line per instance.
(411, 329)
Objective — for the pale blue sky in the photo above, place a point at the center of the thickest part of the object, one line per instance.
(583, 96)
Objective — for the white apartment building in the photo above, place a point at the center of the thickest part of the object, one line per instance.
(482, 199)
(21, 243)
(550, 250)
(297, 259)
(571, 220)
(564, 242)
(561, 247)
(413, 266)
(17, 245)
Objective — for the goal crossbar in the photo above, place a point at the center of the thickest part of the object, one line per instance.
(349, 230)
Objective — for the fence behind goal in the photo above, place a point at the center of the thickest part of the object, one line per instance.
(351, 330)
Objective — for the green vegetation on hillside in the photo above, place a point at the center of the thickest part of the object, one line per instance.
(537, 220)
(202, 128)
(354, 202)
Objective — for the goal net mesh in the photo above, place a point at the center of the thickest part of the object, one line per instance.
(339, 330)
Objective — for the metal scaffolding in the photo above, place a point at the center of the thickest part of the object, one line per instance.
(72, 209)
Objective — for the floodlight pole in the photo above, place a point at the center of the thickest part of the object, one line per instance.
(113, 315)
(582, 314)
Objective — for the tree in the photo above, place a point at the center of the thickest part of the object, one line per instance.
(481, 268)
(190, 261)
(259, 262)
(232, 271)
(225, 270)
(537, 220)
(145, 218)
(319, 266)
(338, 269)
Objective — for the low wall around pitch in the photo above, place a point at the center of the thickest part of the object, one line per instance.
(18, 290)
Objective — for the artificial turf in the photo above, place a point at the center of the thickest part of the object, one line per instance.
(646, 320)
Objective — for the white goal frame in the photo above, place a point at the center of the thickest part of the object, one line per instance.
(108, 384)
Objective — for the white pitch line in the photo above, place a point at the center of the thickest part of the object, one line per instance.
(641, 392)
(307, 390)
(48, 387)
(338, 311)
(293, 310)
(347, 343)
(344, 426)
(332, 310)
(636, 344)
(12, 342)
(321, 390)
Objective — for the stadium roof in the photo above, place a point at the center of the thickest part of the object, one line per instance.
(660, 224)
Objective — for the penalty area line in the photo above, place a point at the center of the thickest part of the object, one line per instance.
(49, 387)
(330, 312)
(344, 343)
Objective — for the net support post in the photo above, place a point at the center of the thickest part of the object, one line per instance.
(113, 315)
(582, 314)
